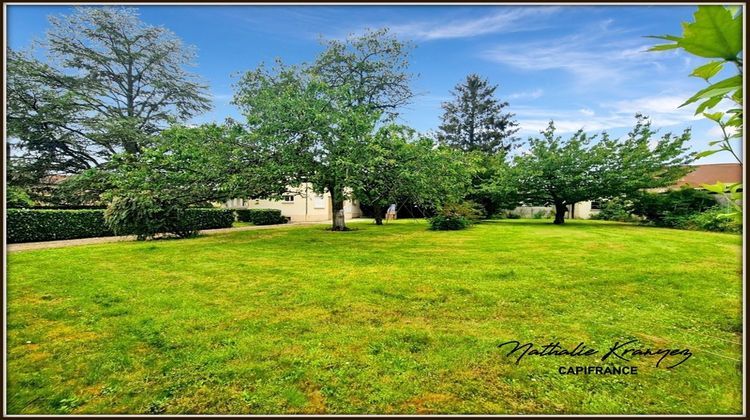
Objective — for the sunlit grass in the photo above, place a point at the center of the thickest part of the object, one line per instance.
(381, 319)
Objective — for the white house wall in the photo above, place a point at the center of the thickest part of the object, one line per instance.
(306, 206)
(583, 210)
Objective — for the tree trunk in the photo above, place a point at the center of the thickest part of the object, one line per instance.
(378, 214)
(560, 209)
(337, 204)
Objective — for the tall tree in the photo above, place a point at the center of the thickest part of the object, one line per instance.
(110, 84)
(474, 119)
(373, 67)
(184, 167)
(563, 172)
(395, 165)
(314, 116)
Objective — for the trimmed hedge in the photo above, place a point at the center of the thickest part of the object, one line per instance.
(201, 219)
(51, 225)
(260, 216)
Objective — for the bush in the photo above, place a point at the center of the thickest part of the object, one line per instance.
(541, 214)
(144, 217)
(457, 216)
(50, 225)
(715, 220)
(672, 208)
(260, 216)
(17, 198)
(201, 219)
(615, 210)
(469, 210)
(512, 215)
(441, 222)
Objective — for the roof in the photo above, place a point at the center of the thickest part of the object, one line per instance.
(728, 173)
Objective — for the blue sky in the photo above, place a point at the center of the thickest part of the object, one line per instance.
(582, 66)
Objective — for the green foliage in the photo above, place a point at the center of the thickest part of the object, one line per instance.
(513, 216)
(671, 208)
(112, 84)
(466, 209)
(145, 217)
(716, 32)
(186, 167)
(314, 119)
(16, 197)
(615, 209)
(541, 214)
(565, 172)
(492, 183)
(49, 225)
(32, 225)
(474, 120)
(441, 222)
(260, 216)
(457, 216)
(717, 219)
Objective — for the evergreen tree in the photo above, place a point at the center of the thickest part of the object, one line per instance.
(474, 120)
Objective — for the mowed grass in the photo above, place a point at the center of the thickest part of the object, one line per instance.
(381, 319)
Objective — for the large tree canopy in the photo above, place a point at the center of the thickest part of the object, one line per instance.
(373, 67)
(566, 171)
(313, 118)
(474, 120)
(394, 165)
(111, 82)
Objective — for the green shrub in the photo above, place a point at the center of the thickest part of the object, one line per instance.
(468, 209)
(441, 222)
(50, 225)
(260, 216)
(144, 217)
(616, 210)
(457, 216)
(715, 220)
(512, 215)
(541, 214)
(138, 215)
(202, 219)
(672, 208)
(17, 198)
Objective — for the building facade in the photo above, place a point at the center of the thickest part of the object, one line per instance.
(299, 204)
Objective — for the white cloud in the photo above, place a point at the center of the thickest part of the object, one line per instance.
(532, 94)
(504, 20)
(662, 109)
(592, 55)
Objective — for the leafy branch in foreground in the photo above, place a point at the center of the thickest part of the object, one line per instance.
(716, 33)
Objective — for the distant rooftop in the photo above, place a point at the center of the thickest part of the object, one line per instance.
(728, 173)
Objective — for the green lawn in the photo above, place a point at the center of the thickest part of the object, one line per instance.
(381, 319)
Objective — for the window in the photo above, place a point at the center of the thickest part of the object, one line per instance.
(596, 205)
(289, 198)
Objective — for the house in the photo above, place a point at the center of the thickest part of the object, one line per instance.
(299, 204)
(728, 173)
